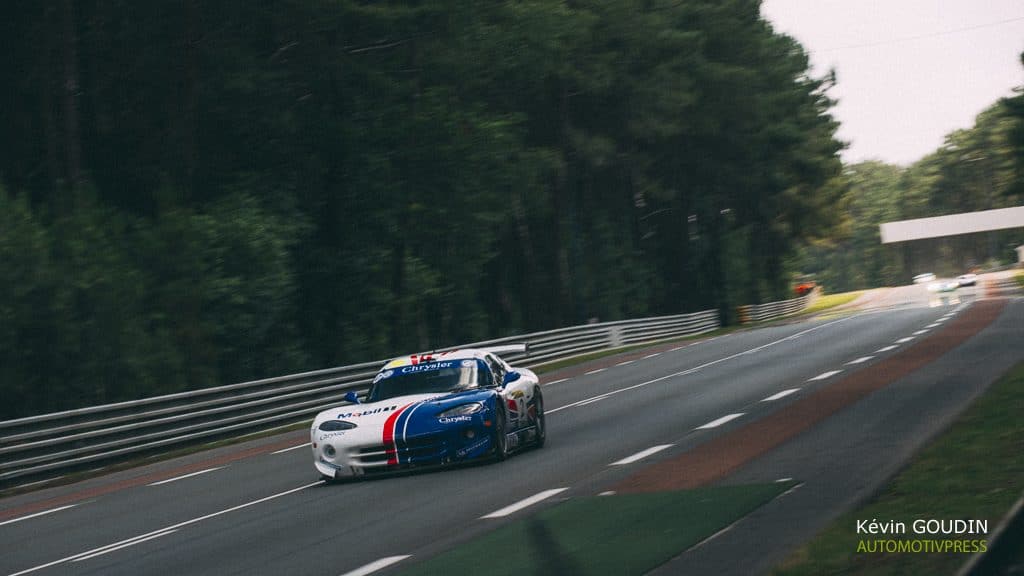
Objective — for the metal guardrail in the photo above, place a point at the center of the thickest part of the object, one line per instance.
(761, 312)
(45, 445)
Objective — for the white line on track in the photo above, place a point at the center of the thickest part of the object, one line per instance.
(919, 332)
(824, 375)
(779, 395)
(592, 400)
(182, 477)
(594, 371)
(933, 325)
(860, 360)
(904, 340)
(887, 348)
(706, 364)
(555, 381)
(677, 348)
(651, 355)
(171, 527)
(641, 455)
(626, 362)
(282, 451)
(376, 565)
(43, 513)
(720, 421)
(512, 508)
(43, 481)
(109, 549)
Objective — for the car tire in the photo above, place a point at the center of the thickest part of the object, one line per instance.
(499, 440)
(539, 423)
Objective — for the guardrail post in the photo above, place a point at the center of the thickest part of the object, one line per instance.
(615, 336)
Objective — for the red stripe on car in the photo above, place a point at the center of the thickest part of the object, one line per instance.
(389, 436)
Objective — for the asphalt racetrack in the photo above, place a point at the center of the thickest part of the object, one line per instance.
(835, 404)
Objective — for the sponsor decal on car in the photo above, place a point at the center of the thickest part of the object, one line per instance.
(425, 367)
(455, 419)
(474, 446)
(366, 412)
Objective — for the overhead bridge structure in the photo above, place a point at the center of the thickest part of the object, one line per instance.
(952, 225)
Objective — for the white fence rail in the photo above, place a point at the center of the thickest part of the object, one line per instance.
(771, 310)
(39, 446)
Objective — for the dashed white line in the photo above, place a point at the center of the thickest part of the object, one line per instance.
(720, 421)
(524, 503)
(591, 400)
(376, 565)
(170, 528)
(112, 548)
(641, 455)
(307, 444)
(933, 325)
(677, 348)
(783, 480)
(43, 513)
(904, 340)
(706, 364)
(860, 360)
(919, 332)
(824, 375)
(651, 355)
(887, 348)
(782, 394)
(555, 381)
(176, 478)
(626, 362)
(594, 371)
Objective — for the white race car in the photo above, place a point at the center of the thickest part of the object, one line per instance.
(429, 410)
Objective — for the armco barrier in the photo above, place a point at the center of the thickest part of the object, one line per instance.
(39, 446)
(770, 310)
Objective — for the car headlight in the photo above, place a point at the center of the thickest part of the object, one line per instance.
(335, 425)
(463, 410)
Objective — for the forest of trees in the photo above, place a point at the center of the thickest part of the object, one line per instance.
(975, 169)
(198, 193)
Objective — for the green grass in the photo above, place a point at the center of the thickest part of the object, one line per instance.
(831, 301)
(621, 534)
(973, 470)
(1019, 277)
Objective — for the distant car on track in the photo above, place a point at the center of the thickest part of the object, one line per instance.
(429, 410)
(943, 286)
(967, 279)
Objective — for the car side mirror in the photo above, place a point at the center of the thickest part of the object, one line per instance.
(352, 397)
(511, 377)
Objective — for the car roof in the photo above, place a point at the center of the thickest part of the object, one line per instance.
(413, 359)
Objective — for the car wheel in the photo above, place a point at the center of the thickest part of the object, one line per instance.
(539, 423)
(500, 441)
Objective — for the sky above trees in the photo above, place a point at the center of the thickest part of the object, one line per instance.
(909, 72)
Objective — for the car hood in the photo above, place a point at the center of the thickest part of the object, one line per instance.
(373, 419)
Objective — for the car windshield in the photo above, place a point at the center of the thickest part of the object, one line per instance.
(429, 378)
